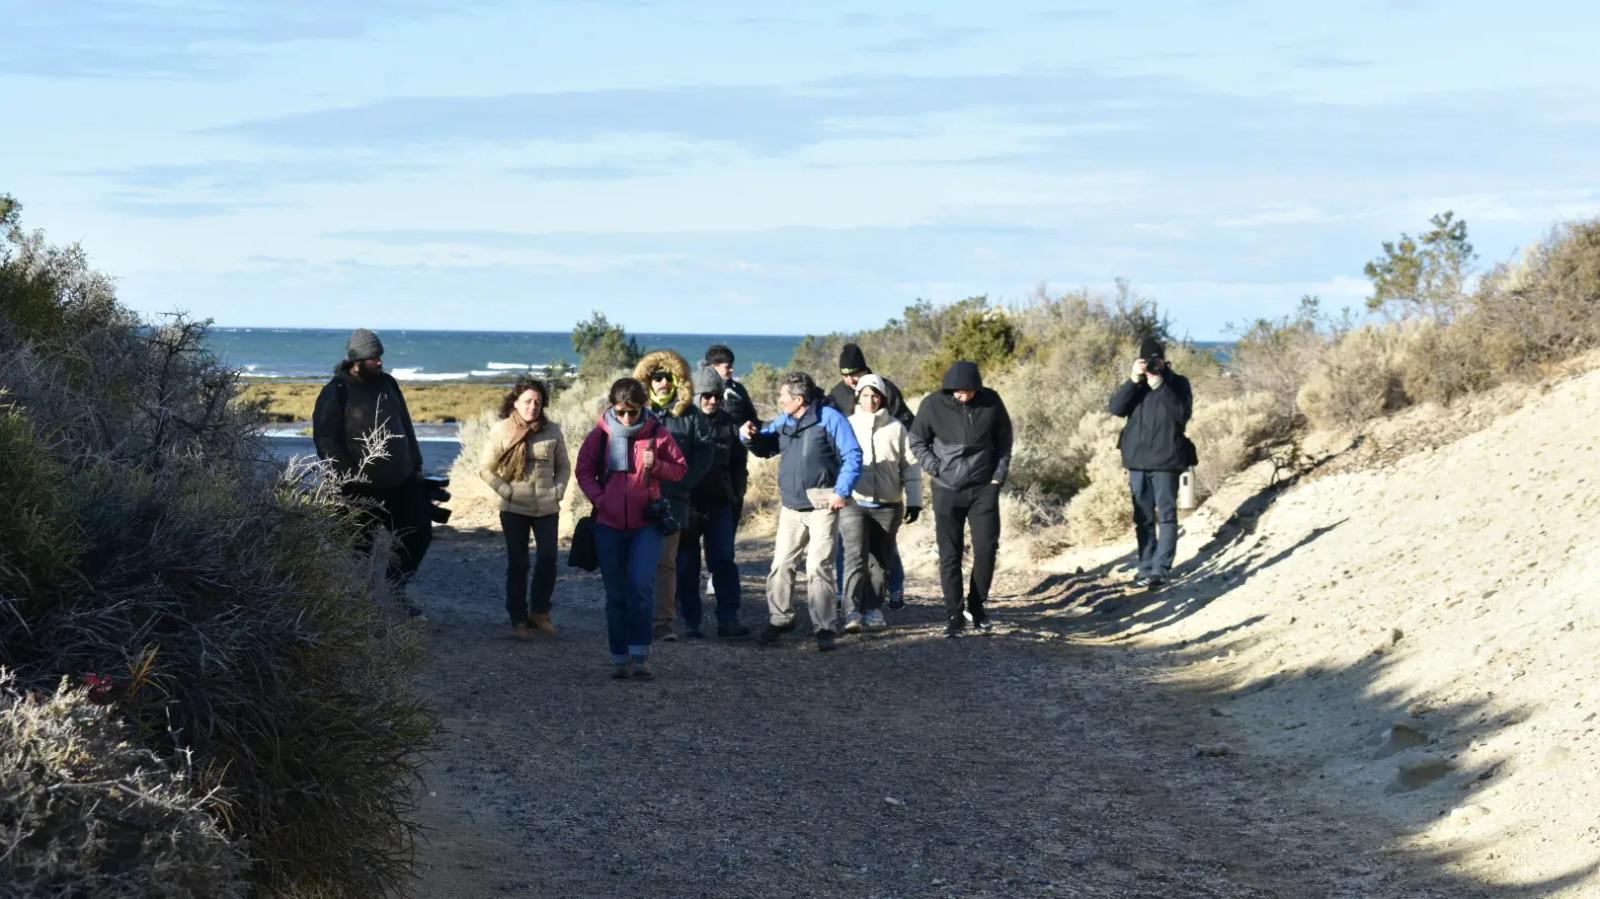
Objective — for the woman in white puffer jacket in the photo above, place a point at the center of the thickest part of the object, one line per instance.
(888, 492)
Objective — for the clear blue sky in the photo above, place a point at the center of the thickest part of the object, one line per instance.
(479, 165)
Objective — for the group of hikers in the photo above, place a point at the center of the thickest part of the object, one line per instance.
(665, 468)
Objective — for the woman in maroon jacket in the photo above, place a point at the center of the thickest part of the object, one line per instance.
(620, 468)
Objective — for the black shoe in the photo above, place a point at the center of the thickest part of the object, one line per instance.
(732, 630)
(953, 629)
(1154, 582)
(693, 633)
(983, 627)
(771, 635)
(896, 600)
(825, 641)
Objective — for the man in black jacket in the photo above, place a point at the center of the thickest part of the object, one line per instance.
(671, 400)
(852, 368)
(360, 401)
(962, 438)
(711, 519)
(737, 404)
(1157, 403)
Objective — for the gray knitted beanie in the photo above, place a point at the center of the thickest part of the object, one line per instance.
(706, 380)
(363, 344)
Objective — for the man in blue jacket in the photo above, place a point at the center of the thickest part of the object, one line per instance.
(1157, 403)
(819, 464)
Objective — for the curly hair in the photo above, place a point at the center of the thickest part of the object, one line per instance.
(523, 385)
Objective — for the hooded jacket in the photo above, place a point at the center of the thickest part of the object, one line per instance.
(818, 450)
(1153, 438)
(349, 409)
(620, 497)
(684, 421)
(544, 481)
(962, 445)
(889, 471)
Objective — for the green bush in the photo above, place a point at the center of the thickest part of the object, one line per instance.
(988, 338)
(86, 811)
(1102, 511)
(240, 628)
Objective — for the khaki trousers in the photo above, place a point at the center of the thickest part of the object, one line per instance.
(812, 534)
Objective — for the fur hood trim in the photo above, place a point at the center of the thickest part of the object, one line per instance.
(675, 365)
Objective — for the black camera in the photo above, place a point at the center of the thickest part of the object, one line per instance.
(437, 497)
(660, 512)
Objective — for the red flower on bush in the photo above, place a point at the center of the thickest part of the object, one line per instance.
(99, 687)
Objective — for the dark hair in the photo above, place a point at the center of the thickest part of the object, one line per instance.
(799, 383)
(716, 354)
(628, 390)
(523, 385)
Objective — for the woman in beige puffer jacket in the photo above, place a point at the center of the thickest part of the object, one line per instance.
(524, 460)
(888, 492)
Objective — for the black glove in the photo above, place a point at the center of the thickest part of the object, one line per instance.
(912, 512)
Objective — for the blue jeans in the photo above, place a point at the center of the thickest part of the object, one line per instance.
(628, 561)
(1155, 519)
(716, 529)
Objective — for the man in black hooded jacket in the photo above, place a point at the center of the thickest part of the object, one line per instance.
(962, 438)
(359, 401)
(1157, 403)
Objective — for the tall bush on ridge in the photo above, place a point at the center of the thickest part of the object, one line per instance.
(1425, 275)
(148, 541)
(1359, 379)
(604, 347)
(988, 338)
(1276, 357)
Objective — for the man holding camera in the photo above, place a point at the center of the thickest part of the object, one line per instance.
(360, 403)
(1157, 403)
(820, 462)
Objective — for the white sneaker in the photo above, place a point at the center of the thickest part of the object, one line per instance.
(852, 625)
(966, 616)
(711, 589)
(874, 620)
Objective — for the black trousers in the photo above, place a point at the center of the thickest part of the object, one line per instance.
(517, 529)
(953, 510)
(405, 511)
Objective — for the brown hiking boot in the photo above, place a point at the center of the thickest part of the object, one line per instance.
(520, 631)
(542, 624)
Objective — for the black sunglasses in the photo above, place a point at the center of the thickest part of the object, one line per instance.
(627, 413)
(661, 376)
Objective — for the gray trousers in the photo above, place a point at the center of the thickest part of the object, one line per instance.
(1155, 519)
(811, 534)
(868, 538)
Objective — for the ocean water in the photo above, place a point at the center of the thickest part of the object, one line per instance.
(438, 453)
(410, 355)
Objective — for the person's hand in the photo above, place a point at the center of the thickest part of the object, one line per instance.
(648, 460)
(912, 513)
(1139, 370)
(748, 432)
(837, 502)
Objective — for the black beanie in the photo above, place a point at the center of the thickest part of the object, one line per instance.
(363, 344)
(851, 359)
(1149, 347)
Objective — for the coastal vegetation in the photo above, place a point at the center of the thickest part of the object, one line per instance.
(204, 685)
(436, 403)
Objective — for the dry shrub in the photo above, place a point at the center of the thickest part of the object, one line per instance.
(472, 503)
(1359, 379)
(1229, 434)
(1101, 511)
(1441, 362)
(86, 811)
(1277, 356)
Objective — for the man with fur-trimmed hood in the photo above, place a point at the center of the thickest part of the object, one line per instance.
(671, 396)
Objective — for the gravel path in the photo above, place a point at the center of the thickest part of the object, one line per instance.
(1027, 763)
